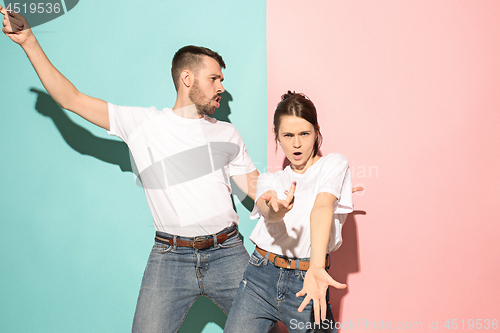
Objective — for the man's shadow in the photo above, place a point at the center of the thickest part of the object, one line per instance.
(116, 152)
(79, 138)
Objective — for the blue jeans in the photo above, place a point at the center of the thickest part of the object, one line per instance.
(175, 277)
(267, 295)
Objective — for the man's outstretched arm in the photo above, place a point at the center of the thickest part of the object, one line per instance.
(247, 183)
(59, 88)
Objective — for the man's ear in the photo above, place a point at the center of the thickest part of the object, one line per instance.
(187, 78)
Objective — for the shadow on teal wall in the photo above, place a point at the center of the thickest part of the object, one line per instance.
(81, 140)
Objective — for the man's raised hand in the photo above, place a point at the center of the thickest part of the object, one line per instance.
(15, 26)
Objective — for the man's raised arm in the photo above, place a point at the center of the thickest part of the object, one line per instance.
(60, 89)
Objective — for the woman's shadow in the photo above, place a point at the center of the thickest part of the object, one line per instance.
(116, 152)
(344, 261)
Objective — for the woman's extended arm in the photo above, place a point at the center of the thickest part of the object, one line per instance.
(317, 279)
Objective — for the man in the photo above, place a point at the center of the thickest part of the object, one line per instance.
(184, 158)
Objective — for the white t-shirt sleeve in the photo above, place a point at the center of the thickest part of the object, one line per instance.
(124, 120)
(266, 182)
(336, 179)
(242, 164)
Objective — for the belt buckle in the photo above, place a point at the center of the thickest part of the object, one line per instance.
(197, 240)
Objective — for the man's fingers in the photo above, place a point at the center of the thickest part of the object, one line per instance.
(17, 27)
(3, 11)
(15, 15)
(357, 189)
(8, 30)
(11, 29)
(16, 21)
(11, 25)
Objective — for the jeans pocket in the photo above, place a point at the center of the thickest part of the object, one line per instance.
(161, 248)
(256, 259)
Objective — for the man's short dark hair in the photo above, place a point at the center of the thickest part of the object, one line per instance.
(191, 57)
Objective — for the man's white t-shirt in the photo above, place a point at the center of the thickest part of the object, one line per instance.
(291, 237)
(184, 165)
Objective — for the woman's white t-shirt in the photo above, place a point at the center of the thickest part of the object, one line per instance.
(291, 236)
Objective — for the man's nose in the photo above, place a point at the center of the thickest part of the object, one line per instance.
(220, 88)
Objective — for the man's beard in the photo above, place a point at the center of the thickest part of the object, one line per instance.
(197, 97)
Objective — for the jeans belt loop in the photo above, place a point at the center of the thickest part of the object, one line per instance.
(175, 243)
(215, 240)
(274, 261)
(297, 267)
(267, 258)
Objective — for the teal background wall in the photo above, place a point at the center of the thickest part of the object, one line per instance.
(76, 231)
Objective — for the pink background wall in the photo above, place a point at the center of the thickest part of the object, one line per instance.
(409, 92)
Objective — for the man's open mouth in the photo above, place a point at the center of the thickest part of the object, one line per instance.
(217, 101)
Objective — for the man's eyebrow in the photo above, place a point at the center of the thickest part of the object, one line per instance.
(218, 76)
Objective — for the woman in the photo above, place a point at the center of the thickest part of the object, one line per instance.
(301, 211)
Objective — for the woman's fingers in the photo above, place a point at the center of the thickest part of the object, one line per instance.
(291, 192)
(266, 197)
(304, 303)
(316, 307)
(301, 293)
(275, 205)
(323, 308)
(357, 189)
(336, 284)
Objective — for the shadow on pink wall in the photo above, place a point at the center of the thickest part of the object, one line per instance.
(344, 262)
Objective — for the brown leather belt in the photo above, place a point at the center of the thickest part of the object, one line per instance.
(284, 262)
(198, 243)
